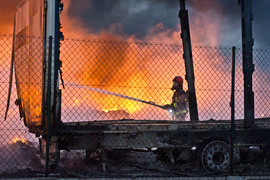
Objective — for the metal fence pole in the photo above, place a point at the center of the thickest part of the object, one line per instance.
(232, 108)
(48, 106)
(190, 77)
(248, 66)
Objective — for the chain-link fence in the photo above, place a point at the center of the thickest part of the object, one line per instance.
(145, 71)
(112, 120)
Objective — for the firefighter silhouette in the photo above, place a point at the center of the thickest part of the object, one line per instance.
(179, 104)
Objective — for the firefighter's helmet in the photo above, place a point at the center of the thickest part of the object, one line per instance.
(178, 79)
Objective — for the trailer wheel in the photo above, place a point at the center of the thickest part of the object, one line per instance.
(215, 156)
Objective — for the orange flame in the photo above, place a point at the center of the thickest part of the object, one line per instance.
(18, 140)
(113, 109)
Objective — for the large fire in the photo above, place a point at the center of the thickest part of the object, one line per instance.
(123, 71)
(147, 75)
(120, 69)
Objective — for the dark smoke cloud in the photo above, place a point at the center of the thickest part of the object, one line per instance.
(261, 26)
(138, 17)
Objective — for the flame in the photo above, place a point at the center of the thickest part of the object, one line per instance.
(116, 72)
(117, 77)
(113, 109)
(76, 101)
(38, 111)
(130, 70)
(19, 140)
(31, 99)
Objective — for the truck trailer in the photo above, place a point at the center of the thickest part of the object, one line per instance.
(215, 144)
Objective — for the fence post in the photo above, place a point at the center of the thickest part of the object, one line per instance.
(185, 35)
(48, 105)
(248, 66)
(232, 109)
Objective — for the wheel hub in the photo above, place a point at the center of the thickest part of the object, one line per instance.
(216, 156)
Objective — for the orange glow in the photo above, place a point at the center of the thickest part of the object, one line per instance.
(5, 50)
(38, 111)
(117, 68)
(120, 73)
(113, 109)
(6, 20)
(73, 27)
(127, 72)
(32, 99)
(19, 140)
(75, 102)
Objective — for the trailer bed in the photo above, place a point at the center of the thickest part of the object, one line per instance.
(131, 125)
(132, 134)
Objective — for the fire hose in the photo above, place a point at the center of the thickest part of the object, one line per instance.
(115, 94)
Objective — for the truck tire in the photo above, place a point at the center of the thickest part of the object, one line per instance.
(215, 156)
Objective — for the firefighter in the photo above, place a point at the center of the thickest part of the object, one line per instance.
(178, 107)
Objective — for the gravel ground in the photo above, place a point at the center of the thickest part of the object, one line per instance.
(132, 164)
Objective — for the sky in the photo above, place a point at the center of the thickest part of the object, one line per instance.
(211, 22)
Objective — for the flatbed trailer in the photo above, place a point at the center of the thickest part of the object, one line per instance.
(121, 134)
(209, 141)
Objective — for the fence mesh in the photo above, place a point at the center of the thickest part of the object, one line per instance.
(134, 69)
(107, 82)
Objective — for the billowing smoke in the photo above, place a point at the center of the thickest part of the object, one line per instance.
(136, 17)
(231, 21)
(212, 22)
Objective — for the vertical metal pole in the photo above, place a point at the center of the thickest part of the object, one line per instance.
(104, 160)
(232, 109)
(248, 66)
(48, 103)
(44, 66)
(185, 35)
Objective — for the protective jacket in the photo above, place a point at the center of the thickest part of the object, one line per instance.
(179, 104)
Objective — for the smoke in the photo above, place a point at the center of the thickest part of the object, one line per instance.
(135, 17)
(228, 14)
(72, 25)
(261, 24)
(211, 22)
(20, 156)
